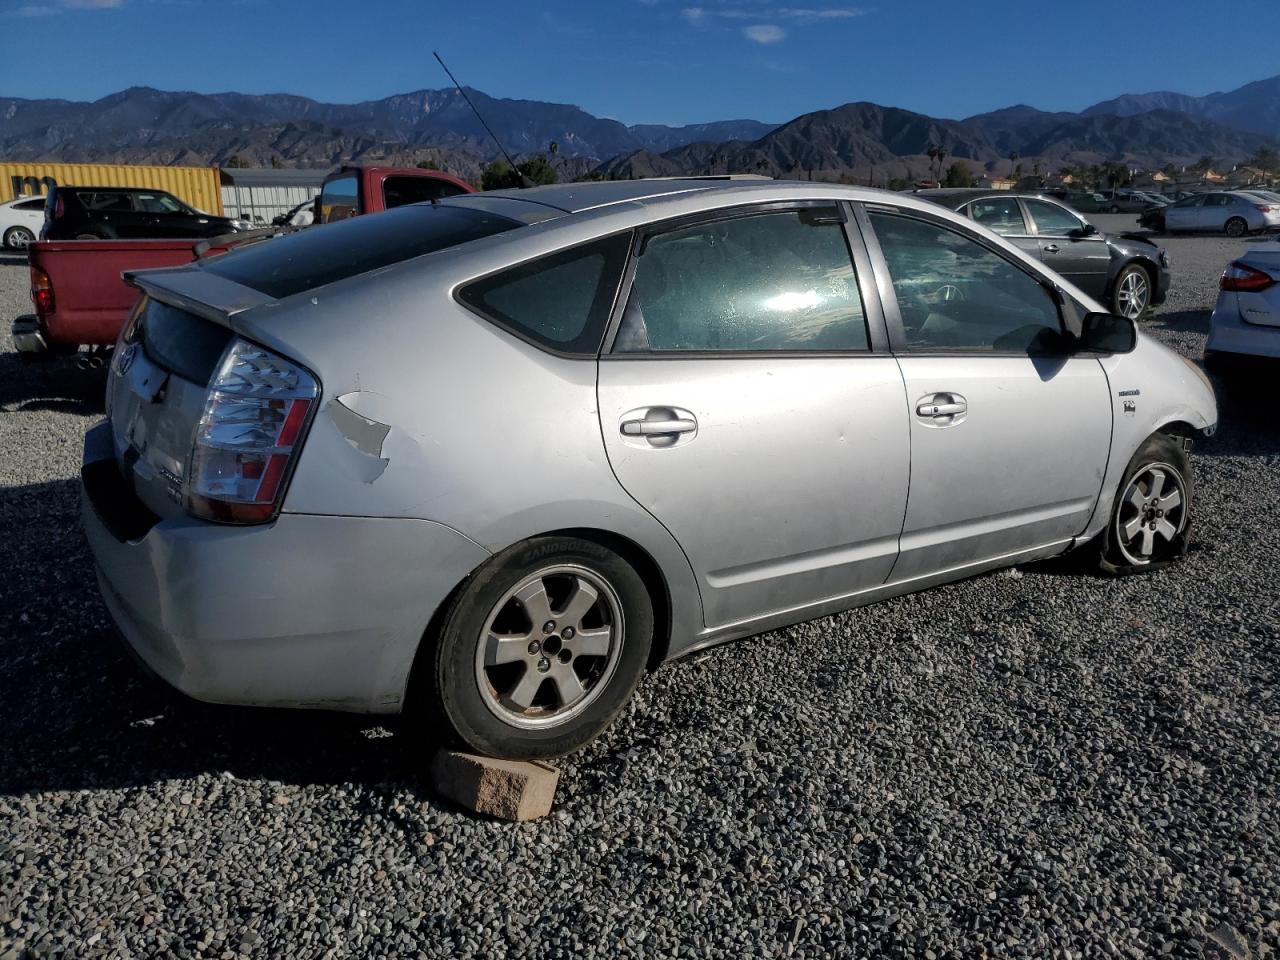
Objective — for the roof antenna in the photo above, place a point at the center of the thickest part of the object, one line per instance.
(524, 181)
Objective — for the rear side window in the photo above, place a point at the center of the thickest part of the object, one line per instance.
(561, 301)
(106, 202)
(397, 191)
(31, 204)
(302, 261)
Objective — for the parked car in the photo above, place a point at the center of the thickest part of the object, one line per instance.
(1124, 202)
(20, 222)
(1128, 272)
(127, 213)
(1085, 202)
(1234, 213)
(584, 428)
(302, 215)
(1246, 319)
(352, 190)
(79, 295)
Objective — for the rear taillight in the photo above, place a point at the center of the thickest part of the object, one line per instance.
(41, 292)
(59, 208)
(1264, 208)
(1242, 278)
(254, 420)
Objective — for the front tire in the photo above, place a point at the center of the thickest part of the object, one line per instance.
(542, 648)
(1236, 227)
(18, 238)
(1131, 295)
(1151, 515)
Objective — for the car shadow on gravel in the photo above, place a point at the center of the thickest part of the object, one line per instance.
(56, 385)
(1180, 321)
(79, 713)
(13, 260)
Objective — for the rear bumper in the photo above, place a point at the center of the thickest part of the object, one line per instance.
(1230, 334)
(28, 334)
(308, 611)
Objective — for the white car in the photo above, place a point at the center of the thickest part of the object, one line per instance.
(20, 221)
(1246, 319)
(1234, 213)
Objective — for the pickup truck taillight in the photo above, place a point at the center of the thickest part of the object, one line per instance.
(1242, 278)
(59, 207)
(41, 292)
(246, 444)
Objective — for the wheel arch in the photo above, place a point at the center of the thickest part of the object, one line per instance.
(1136, 260)
(645, 565)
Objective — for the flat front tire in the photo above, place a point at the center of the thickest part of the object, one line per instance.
(542, 648)
(1151, 515)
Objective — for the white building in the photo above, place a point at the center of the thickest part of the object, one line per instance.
(259, 194)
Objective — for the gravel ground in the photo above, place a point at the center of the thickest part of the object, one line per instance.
(1035, 763)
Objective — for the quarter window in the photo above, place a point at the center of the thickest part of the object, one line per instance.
(955, 294)
(561, 301)
(776, 281)
(1051, 220)
(1001, 215)
(397, 191)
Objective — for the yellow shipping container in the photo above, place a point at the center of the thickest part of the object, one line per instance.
(198, 186)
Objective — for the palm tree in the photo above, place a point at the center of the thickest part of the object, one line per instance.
(1013, 159)
(942, 156)
(933, 156)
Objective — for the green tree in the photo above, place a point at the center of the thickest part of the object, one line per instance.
(1115, 174)
(235, 162)
(958, 175)
(499, 175)
(933, 156)
(899, 183)
(275, 163)
(427, 165)
(1204, 164)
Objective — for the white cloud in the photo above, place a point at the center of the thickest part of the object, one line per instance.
(50, 7)
(695, 15)
(764, 33)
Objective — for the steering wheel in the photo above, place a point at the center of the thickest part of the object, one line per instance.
(947, 293)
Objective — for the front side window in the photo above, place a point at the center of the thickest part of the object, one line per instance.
(1001, 215)
(1189, 202)
(157, 203)
(775, 281)
(561, 301)
(955, 294)
(339, 199)
(1051, 220)
(397, 191)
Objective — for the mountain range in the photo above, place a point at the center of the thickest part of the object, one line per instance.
(144, 125)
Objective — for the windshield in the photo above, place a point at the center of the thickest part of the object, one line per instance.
(302, 261)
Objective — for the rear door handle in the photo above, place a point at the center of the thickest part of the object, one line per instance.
(657, 428)
(1051, 248)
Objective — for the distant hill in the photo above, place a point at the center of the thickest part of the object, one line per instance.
(1254, 108)
(862, 139)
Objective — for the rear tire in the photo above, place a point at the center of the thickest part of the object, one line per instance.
(1236, 227)
(542, 648)
(18, 238)
(1151, 514)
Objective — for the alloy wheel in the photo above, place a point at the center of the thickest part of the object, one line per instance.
(20, 238)
(549, 646)
(1152, 513)
(1133, 294)
(1236, 227)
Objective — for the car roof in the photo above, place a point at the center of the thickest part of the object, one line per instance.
(588, 195)
(956, 197)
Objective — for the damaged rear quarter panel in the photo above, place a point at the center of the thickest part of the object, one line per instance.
(431, 412)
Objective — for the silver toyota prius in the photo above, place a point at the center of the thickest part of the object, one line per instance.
(496, 456)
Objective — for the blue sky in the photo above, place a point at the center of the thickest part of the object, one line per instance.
(641, 61)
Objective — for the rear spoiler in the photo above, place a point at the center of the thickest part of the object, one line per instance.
(229, 241)
(197, 291)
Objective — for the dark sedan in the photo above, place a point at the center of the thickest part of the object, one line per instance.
(1124, 271)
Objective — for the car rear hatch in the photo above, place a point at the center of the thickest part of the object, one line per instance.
(1262, 307)
(160, 374)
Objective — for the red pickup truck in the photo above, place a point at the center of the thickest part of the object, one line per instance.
(79, 294)
(81, 299)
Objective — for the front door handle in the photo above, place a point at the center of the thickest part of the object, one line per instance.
(950, 407)
(657, 428)
(1050, 248)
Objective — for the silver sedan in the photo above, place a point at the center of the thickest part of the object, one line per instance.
(496, 456)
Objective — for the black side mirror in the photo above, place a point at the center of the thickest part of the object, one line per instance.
(1108, 333)
(1084, 230)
